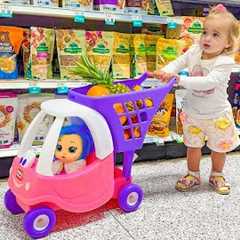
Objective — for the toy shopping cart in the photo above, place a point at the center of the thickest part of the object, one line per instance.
(117, 123)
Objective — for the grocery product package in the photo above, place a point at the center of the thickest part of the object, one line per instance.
(47, 3)
(78, 4)
(41, 53)
(151, 47)
(121, 56)
(179, 96)
(70, 47)
(8, 110)
(99, 47)
(109, 5)
(10, 43)
(167, 51)
(159, 126)
(164, 7)
(191, 30)
(140, 58)
(28, 107)
(137, 6)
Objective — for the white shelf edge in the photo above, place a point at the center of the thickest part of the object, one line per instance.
(25, 84)
(91, 15)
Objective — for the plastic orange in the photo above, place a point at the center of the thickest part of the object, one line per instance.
(98, 90)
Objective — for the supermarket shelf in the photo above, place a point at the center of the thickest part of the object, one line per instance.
(44, 84)
(89, 15)
(13, 150)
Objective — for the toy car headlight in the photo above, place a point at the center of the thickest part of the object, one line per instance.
(28, 159)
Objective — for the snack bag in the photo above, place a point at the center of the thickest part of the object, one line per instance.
(10, 43)
(167, 51)
(78, 4)
(179, 96)
(70, 46)
(160, 124)
(8, 109)
(164, 7)
(47, 3)
(140, 58)
(99, 46)
(29, 106)
(151, 50)
(41, 52)
(121, 56)
(191, 30)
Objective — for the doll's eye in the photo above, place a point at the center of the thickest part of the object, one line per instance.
(72, 149)
(59, 147)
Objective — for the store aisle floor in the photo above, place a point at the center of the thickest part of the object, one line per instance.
(164, 214)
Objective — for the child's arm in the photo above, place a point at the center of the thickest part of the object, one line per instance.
(174, 67)
(219, 75)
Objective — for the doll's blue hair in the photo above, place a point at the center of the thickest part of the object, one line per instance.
(82, 130)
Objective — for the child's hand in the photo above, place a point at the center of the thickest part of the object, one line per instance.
(163, 76)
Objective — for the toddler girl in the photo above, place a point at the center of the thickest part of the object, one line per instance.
(206, 109)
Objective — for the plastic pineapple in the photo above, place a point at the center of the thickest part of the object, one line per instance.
(102, 81)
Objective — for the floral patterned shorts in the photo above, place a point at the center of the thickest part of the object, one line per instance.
(220, 133)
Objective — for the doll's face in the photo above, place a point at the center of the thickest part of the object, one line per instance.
(69, 148)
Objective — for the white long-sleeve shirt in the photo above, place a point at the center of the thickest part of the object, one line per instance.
(206, 87)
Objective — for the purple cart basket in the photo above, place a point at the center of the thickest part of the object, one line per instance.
(138, 116)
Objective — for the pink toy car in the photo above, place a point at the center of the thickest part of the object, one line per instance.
(37, 192)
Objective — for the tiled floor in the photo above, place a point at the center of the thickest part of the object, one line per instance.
(164, 214)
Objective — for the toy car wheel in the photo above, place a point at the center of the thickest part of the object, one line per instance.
(39, 222)
(11, 204)
(130, 198)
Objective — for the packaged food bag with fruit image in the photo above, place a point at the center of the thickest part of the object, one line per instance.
(99, 47)
(41, 52)
(10, 43)
(70, 47)
(159, 126)
(191, 31)
(121, 59)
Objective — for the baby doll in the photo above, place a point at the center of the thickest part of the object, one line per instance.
(74, 145)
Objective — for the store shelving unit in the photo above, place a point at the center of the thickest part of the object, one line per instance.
(60, 17)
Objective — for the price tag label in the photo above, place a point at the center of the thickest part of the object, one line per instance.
(61, 89)
(5, 12)
(34, 89)
(79, 18)
(110, 19)
(137, 21)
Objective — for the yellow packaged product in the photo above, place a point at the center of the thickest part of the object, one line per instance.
(140, 58)
(151, 51)
(164, 7)
(159, 126)
(28, 107)
(70, 47)
(99, 46)
(121, 56)
(167, 51)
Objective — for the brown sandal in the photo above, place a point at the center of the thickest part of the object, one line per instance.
(219, 185)
(187, 183)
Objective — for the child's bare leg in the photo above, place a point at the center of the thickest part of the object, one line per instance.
(218, 161)
(193, 159)
(192, 179)
(217, 180)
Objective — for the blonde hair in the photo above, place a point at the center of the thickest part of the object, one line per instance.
(234, 28)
